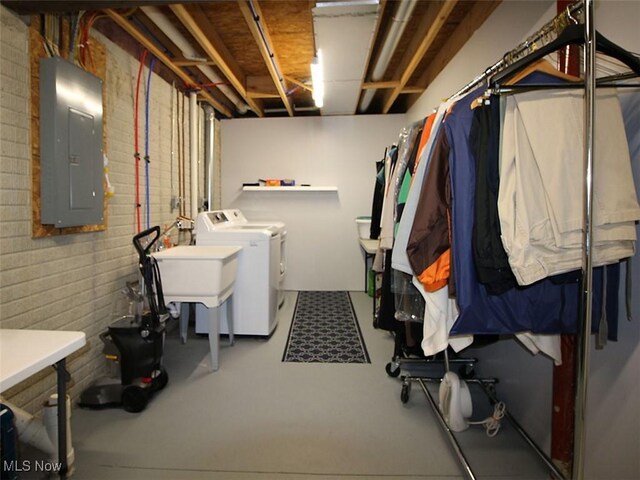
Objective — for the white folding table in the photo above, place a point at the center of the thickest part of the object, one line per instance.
(26, 352)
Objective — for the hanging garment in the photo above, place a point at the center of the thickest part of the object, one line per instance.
(490, 259)
(400, 260)
(376, 206)
(429, 243)
(630, 103)
(492, 263)
(429, 255)
(534, 313)
(399, 157)
(408, 301)
(541, 181)
(382, 260)
(390, 161)
(489, 255)
(406, 142)
(385, 312)
(540, 308)
(386, 319)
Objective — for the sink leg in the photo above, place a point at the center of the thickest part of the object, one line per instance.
(184, 321)
(214, 336)
(230, 325)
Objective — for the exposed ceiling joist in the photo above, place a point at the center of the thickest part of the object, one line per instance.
(235, 78)
(413, 89)
(299, 83)
(205, 43)
(145, 42)
(193, 63)
(435, 17)
(471, 22)
(265, 45)
(262, 95)
(380, 85)
(27, 7)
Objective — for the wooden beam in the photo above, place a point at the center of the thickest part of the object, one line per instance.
(380, 85)
(192, 63)
(261, 84)
(298, 83)
(27, 7)
(435, 17)
(202, 20)
(413, 89)
(265, 45)
(236, 80)
(139, 37)
(476, 16)
(263, 95)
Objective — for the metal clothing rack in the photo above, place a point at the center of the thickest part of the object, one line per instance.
(525, 47)
(583, 337)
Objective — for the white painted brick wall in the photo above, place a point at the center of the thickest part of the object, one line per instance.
(70, 282)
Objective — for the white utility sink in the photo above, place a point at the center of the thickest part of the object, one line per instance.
(201, 275)
(198, 274)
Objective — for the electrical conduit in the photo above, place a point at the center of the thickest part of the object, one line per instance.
(193, 151)
(136, 154)
(146, 143)
(209, 133)
(163, 23)
(400, 21)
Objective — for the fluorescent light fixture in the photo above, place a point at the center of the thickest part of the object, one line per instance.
(317, 79)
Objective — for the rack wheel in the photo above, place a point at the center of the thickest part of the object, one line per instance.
(134, 398)
(467, 370)
(392, 369)
(405, 392)
(162, 379)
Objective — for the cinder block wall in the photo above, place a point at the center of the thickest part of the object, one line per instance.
(70, 282)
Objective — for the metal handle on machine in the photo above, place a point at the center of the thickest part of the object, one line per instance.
(144, 251)
(104, 337)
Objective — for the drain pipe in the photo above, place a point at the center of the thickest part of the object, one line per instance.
(163, 23)
(43, 434)
(399, 22)
(193, 151)
(31, 430)
(209, 126)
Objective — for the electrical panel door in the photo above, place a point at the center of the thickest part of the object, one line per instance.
(71, 162)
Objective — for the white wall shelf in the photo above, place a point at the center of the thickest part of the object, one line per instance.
(329, 188)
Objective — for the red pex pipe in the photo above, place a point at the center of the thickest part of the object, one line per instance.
(136, 155)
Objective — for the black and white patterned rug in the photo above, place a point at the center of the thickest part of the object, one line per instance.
(325, 330)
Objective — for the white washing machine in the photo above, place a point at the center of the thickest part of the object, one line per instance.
(255, 296)
(236, 217)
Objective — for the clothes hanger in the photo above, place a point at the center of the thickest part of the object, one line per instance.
(572, 34)
(543, 66)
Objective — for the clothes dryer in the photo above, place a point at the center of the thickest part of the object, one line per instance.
(255, 295)
(235, 217)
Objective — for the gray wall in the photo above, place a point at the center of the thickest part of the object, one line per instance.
(322, 240)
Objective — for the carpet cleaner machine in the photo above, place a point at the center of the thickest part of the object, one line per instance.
(134, 342)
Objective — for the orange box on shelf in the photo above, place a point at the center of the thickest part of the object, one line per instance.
(272, 182)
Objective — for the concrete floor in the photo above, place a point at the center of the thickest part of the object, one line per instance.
(258, 418)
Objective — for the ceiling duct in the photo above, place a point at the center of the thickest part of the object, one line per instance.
(163, 23)
(398, 24)
(344, 31)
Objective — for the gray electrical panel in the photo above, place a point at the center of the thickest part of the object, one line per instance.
(71, 163)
